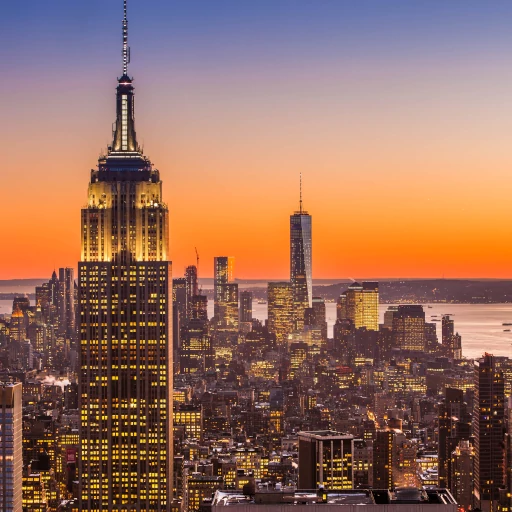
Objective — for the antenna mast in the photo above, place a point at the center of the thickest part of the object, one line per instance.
(126, 48)
(300, 190)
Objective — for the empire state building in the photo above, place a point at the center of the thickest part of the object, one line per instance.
(125, 325)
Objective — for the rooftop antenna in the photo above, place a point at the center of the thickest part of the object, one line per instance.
(300, 189)
(126, 48)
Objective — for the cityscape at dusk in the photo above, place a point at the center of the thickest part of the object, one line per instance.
(256, 256)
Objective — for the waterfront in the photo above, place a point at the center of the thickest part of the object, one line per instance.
(480, 325)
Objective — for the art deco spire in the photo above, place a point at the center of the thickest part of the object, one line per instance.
(125, 139)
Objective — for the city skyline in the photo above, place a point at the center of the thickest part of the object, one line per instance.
(403, 109)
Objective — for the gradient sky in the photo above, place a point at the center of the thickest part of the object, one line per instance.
(397, 113)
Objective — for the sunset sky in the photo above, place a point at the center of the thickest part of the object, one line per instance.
(397, 113)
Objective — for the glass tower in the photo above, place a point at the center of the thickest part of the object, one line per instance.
(125, 296)
(300, 262)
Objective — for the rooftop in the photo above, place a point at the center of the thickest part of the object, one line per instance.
(291, 496)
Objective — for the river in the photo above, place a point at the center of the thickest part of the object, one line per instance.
(480, 325)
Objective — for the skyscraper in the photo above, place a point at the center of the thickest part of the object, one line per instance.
(409, 328)
(125, 326)
(225, 293)
(488, 432)
(360, 304)
(245, 306)
(192, 287)
(300, 261)
(11, 458)
(280, 310)
(66, 303)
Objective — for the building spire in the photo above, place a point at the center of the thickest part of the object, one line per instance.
(300, 193)
(126, 48)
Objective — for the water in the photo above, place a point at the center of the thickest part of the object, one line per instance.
(480, 325)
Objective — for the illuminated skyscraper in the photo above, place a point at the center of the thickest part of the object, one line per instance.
(360, 304)
(225, 293)
(409, 328)
(300, 262)
(11, 458)
(280, 310)
(125, 326)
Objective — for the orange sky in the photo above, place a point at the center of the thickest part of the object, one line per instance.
(406, 160)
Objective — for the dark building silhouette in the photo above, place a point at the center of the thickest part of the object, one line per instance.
(488, 432)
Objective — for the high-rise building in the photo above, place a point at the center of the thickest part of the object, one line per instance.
(451, 341)
(196, 350)
(125, 294)
(280, 310)
(245, 306)
(409, 328)
(320, 316)
(360, 304)
(453, 426)
(66, 303)
(301, 261)
(11, 457)
(225, 292)
(325, 460)
(179, 309)
(383, 459)
(463, 459)
(488, 432)
(191, 277)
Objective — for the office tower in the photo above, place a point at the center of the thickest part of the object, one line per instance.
(320, 316)
(389, 314)
(199, 307)
(11, 458)
(360, 304)
(191, 277)
(179, 309)
(225, 293)
(488, 432)
(280, 310)
(245, 306)
(409, 328)
(451, 341)
(383, 459)
(17, 329)
(125, 287)
(463, 459)
(325, 460)
(300, 261)
(66, 303)
(447, 330)
(196, 350)
(453, 426)
(223, 268)
(298, 354)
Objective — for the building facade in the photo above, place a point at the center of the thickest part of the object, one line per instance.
(125, 293)
(11, 458)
